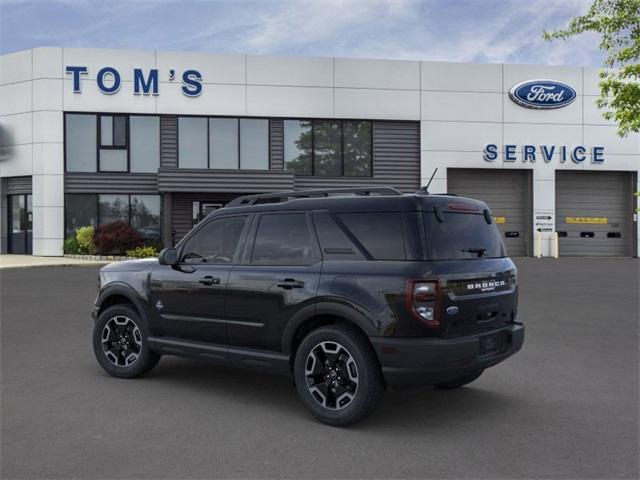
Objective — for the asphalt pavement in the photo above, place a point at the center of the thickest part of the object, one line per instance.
(566, 406)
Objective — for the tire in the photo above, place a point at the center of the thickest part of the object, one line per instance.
(458, 382)
(121, 328)
(347, 388)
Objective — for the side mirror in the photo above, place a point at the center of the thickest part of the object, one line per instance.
(168, 256)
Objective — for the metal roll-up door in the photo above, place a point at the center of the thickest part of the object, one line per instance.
(507, 192)
(594, 213)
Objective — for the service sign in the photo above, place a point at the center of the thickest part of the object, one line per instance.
(542, 94)
(544, 220)
(587, 220)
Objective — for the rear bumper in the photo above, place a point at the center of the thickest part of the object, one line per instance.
(416, 362)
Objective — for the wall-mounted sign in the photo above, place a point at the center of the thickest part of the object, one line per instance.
(544, 220)
(500, 220)
(108, 80)
(542, 94)
(546, 153)
(587, 220)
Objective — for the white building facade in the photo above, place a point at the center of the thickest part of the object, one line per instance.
(158, 139)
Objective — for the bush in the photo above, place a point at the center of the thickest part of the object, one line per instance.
(143, 252)
(116, 238)
(71, 245)
(84, 239)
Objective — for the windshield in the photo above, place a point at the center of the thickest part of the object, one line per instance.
(462, 236)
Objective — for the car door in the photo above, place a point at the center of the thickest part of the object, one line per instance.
(278, 276)
(189, 298)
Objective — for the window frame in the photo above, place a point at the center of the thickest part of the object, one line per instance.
(252, 233)
(341, 121)
(238, 254)
(101, 147)
(238, 142)
(98, 116)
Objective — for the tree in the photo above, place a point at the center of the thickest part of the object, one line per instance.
(618, 23)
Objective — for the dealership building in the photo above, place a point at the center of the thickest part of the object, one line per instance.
(159, 139)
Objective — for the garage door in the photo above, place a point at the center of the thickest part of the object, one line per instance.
(593, 213)
(507, 194)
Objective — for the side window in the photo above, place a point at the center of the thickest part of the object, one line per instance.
(216, 242)
(381, 234)
(334, 242)
(283, 239)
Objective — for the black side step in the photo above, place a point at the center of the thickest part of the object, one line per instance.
(248, 358)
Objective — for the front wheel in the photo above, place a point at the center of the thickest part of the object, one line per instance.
(120, 343)
(337, 375)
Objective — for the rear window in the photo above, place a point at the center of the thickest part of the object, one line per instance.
(462, 236)
(380, 233)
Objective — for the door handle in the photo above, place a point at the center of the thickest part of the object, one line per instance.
(289, 283)
(209, 280)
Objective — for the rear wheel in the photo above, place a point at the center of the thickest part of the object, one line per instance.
(337, 375)
(458, 382)
(120, 343)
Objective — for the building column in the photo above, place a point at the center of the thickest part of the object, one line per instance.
(4, 216)
(167, 220)
(544, 206)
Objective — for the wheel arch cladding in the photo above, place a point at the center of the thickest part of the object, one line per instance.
(294, 337)
(120, 295)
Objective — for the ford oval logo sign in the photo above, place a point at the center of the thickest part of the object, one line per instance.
(542, 94)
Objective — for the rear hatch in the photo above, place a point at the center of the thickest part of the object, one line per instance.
(477, 282)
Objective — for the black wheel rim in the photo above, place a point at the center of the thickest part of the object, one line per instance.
(332, 375)
(121, 341)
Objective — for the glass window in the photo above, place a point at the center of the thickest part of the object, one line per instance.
(357, 148)
(17, 213)
(254, 144)
(192, 142)
(80, 142)
(113, 160)
(215, 242)
(81, 210)
(283, 239)
(380, 234)
(112, 208)
(145, 143)
(120, 131)
(106, 130)
(462, 236)
(327, 141)
(145, 217)
(334, 242)
(223, 142)
(113, 131)
(297, 146)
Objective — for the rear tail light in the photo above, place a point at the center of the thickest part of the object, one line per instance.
(423, 301)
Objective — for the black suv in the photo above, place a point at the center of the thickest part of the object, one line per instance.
(348, 291)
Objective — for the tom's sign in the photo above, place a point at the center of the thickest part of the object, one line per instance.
(542, 94)
(108, 80)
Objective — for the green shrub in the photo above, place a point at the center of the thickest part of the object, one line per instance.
(143, 252)
(84, 237)
(71, 245)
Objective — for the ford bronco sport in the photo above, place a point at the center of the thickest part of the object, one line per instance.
(347, 291)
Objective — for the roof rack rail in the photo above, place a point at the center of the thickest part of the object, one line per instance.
(247, 200)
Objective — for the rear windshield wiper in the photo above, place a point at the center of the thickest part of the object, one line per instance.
(478, 250)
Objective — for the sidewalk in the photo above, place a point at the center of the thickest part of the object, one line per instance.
(24, 261)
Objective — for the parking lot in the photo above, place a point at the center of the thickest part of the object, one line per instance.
(564, 407)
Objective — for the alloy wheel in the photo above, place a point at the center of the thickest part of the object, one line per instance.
(121, 341)
(332, 375)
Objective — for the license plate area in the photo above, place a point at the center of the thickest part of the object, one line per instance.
(493, 344)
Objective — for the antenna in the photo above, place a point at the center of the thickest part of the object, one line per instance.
(425, 189)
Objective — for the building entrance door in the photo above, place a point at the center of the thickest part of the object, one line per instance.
(20, 223)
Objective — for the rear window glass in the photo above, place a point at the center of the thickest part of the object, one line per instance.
(462, 236)
(379, 233)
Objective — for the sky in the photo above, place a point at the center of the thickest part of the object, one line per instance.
(486, 31)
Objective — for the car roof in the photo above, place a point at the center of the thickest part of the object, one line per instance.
(360, 203)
